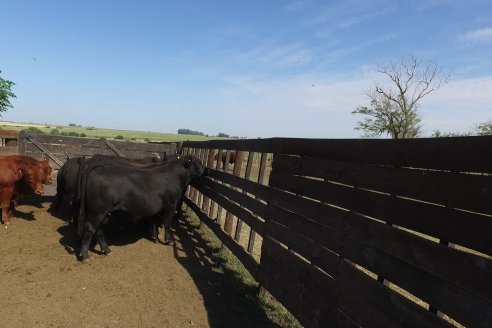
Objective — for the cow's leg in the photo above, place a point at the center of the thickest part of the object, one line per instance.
(167, 218)
(179, 208)
(91, 226)
(5, 196)
(153, 227)
(87, 234)
(101, 240)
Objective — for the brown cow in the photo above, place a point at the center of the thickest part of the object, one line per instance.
(232, 158)
(18, 175)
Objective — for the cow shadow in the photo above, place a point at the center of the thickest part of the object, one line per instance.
(35, 200)
(29, 200)
(228, 300)
(117, 232)
(27, 216)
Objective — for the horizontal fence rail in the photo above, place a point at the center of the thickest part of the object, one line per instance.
(59, 148)
(358, 233)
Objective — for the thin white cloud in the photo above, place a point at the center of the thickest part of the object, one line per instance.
(483, 35)
(458, 106)
(278, 56)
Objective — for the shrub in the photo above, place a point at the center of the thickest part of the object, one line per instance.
(63, 133)
(119, 137)
(34, 130)
(147, 139)
(54, 132)
(83, 135)
(73, 134)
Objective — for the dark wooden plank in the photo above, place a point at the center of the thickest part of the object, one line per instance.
(308, 249)
(386, 300)
(325, 236)
(470, 271)
(253, 205)
(464, 228)
(325, 192)
(255, 223)
(245, 184)
(312, 296)
(467, 270)
(456, 190)
(463, 306)
(247, 260)
(257, 145)
(452, 154)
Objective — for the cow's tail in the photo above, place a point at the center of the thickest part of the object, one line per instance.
(82, 183)
(60, 183)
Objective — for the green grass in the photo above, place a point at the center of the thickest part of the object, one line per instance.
(93, 132)
(239, 282)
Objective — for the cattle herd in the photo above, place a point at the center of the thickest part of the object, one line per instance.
(102, 187)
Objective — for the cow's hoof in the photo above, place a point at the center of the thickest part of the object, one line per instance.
(169, 242)
(107, 252)
(83, 259)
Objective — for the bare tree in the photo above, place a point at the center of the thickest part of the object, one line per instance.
(394, 110)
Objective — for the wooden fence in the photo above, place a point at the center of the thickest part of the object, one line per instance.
(8, 142)
(58, 148)
(358, 233)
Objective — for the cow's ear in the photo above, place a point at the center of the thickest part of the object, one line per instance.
(46, 158)
(187, 164)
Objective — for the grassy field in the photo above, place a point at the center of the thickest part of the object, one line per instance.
(94, 132)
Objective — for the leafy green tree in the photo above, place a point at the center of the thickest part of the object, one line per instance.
(5, 94)
(393, 110)
(484, 129)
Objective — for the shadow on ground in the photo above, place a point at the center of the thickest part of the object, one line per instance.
(228, 300)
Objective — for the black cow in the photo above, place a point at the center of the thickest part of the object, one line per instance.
(141, 193)
(68, 177)
(66, 184)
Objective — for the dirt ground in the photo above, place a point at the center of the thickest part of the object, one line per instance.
(141, 284)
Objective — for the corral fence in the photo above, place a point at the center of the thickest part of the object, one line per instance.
(60, 148)
(358, 233)
(9, 142)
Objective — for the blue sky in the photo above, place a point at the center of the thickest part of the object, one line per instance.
(245, 68)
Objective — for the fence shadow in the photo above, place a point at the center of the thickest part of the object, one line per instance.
(228, 300)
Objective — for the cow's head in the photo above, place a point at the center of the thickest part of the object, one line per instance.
(44, 164)
(33, 177)
(195, 167)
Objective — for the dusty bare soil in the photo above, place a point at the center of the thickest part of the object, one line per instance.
(141, 284)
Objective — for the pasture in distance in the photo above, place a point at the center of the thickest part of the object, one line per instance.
(95, 132)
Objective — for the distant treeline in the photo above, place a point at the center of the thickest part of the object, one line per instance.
(192, 132)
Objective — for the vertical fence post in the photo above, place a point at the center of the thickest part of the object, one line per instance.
(247, 174)
(217, 167)
(238, 164)
(261, 177)
(206, 201)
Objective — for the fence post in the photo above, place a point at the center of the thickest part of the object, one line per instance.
(238, 164)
